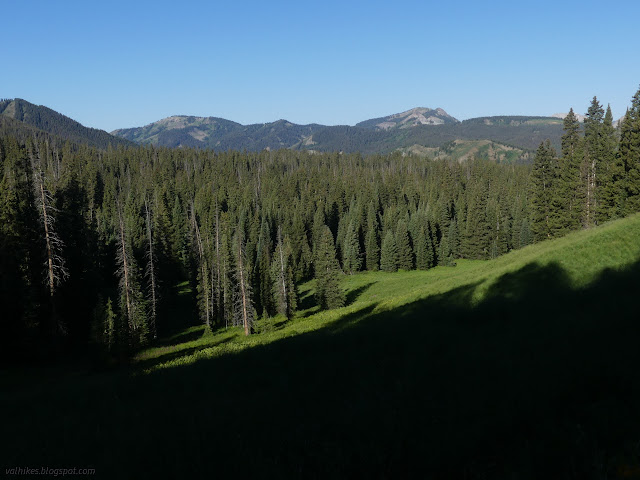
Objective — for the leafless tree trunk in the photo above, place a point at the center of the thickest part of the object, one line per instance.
(244, 304)
(282, 274)
(124, 270)
(55, 268)
(151, 272)
(204, 271)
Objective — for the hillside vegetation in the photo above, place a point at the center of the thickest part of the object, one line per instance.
(54, 123)
(519, 367)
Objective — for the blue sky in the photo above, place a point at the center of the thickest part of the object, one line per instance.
(123, 64)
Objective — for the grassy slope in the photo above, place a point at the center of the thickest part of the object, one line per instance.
(581, 255)
(522, 366)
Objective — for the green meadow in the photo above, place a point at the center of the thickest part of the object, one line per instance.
(525, 366)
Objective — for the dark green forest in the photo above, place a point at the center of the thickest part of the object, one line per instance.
(93, 240)
(46, 120)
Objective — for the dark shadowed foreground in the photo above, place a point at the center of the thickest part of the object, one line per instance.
(537, 381)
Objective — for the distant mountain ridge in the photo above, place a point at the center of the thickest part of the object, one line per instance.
(47, 120)
(418, 130)
(421, 131)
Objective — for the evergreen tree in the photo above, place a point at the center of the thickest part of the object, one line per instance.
(283, 287)
(565, 213)
(329, 293)
(629, 154)
(244, 314)
(592, 163)
(372, 247)
(351, 257)
(610, 175)
(389, 253)
(543, 177)
(403, 246)
(134, 327)
(423, 250)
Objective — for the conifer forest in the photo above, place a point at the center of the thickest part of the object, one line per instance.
(93, 240)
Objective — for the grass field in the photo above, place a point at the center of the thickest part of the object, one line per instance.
(525, 366)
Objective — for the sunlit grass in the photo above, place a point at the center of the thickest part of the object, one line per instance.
(582, 255)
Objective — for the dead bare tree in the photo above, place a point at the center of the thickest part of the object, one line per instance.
(151, 271)
(204, 283)
(131, 296)
(244, 304)
(56, 272)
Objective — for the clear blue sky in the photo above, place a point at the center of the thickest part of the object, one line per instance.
(122, 64)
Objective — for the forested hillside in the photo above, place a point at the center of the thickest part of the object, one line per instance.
(93, 241)
(54, 123)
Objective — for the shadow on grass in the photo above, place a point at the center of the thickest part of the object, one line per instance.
(307, 301)
(167, 357)
(181, 337)
(354, 294)
(536, 381)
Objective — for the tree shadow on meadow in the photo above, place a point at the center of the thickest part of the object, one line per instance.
(538, 380)
(353, 295)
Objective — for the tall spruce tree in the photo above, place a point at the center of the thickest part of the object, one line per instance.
(543, 177)
(329, 293)
(372, 241)
(351, 257)
(389, 253)
(403, 246)
(594, 146)
(244, 314)
(608, 182)
(566, 211)
(629, 153)
(283, 287)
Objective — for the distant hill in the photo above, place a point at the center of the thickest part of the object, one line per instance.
(219, 134)
(46, 120)
(410, 118)
(416, 130)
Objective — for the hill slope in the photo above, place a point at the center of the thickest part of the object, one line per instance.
(54, 123)
(520, 367)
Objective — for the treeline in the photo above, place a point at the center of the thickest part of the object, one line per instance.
(596, 178)
(93, 242)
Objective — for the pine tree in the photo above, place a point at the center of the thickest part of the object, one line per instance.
(591, 165)
(389, 253)
(372, 247)
(478, 234)
(565, 213)
(329, 293)
(543, 189)
(629, 153)
(132, 304)
(244, 310)
(203, 276)
(351, 257)
(423, 250)
(608, 182)
(403, 246)
(283, 287)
